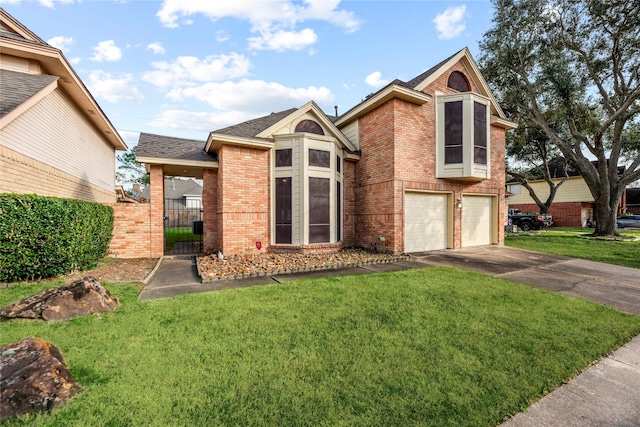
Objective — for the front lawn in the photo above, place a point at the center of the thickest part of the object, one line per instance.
(573, 242)
(435, 346)
(179, 234)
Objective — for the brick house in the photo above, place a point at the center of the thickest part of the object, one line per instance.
(419, 163)
(54, 138)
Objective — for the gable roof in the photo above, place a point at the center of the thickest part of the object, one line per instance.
(178, 156)
(251, 128)
(158, 147)
(17, 40)
(417, 84)
(17, 88)
(258, 132)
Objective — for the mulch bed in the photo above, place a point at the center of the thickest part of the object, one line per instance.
(212, 268)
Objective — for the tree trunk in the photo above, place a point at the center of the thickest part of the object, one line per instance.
(605, 217)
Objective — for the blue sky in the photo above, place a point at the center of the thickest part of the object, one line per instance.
(185, 67)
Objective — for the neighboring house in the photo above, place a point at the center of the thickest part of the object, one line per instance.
(186, 192)
(54, 138)
(573, 204)
(419, 164)
(633, 200)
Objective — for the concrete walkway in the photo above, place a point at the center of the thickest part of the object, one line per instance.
(606, 395)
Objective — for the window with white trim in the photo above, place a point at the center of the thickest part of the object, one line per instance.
(307, 191)
(462, 136)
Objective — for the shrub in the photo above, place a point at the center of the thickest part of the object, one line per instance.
(48, 236)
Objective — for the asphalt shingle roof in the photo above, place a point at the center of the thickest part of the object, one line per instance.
(166, 147)
(251, 128)
(16, 88)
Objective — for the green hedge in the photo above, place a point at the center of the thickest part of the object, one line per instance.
(48, 236)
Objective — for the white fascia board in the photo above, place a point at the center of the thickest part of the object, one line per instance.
(503, 123)
(310, 106)
(177, 162)
(56, 64)
(392, 91)
(216, 140)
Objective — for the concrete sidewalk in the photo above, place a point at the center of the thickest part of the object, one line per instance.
(607, 394)
(178, 276)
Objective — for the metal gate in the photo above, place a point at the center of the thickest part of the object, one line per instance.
(182, 227)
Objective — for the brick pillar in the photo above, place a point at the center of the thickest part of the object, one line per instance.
(156, 196)
(210, 210)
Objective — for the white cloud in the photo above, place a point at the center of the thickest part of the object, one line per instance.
(113, 89)
(375, 79)
(189, 70)
(156, 48)
(273, 21)
(198, 121)
(61, 42)
(222, 36)
(106, 51)
(283, 40)
(450, 23)
(255, 96)
(75, 60)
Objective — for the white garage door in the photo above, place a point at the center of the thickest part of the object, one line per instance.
(425, 222)
(477, 220)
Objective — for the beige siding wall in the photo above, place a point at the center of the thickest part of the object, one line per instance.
(53, 133)
(24, 175)
(351, 132)
(574, 190)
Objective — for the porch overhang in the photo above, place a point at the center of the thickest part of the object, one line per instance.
(179, 167)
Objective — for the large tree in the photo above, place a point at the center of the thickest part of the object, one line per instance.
(531, 156)
(580, 58)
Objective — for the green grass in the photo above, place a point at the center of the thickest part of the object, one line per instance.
(435, 346)
(179, 234)
(570, 242)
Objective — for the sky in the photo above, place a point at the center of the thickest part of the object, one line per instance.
(184, 68)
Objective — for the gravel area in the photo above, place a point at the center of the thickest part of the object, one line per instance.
(242, 266)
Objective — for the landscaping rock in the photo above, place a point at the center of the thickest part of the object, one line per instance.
(33, 378)
(78, 299)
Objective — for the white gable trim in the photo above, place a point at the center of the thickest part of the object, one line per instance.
(313, 108)
(16, 112)
(392, 91)
(467, 60)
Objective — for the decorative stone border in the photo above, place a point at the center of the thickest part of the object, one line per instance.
(397, 258)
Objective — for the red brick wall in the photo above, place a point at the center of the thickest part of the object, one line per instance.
(375, 210)
(349, 209)
(210, 210)
(565, 214)
(131, 231)
(398, 143)
(243, 199)
(156, 202)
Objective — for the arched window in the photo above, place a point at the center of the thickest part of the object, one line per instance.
(459, 82)
(309, 126)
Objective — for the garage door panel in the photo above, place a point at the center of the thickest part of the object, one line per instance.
(425, 222)
(477, 221)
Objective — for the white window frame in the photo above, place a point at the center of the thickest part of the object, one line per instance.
(300, 172)
(468, 169)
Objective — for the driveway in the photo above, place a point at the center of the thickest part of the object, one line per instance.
(615, 286)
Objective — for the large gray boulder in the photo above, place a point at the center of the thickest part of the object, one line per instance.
(77, 299)
(33, 378)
